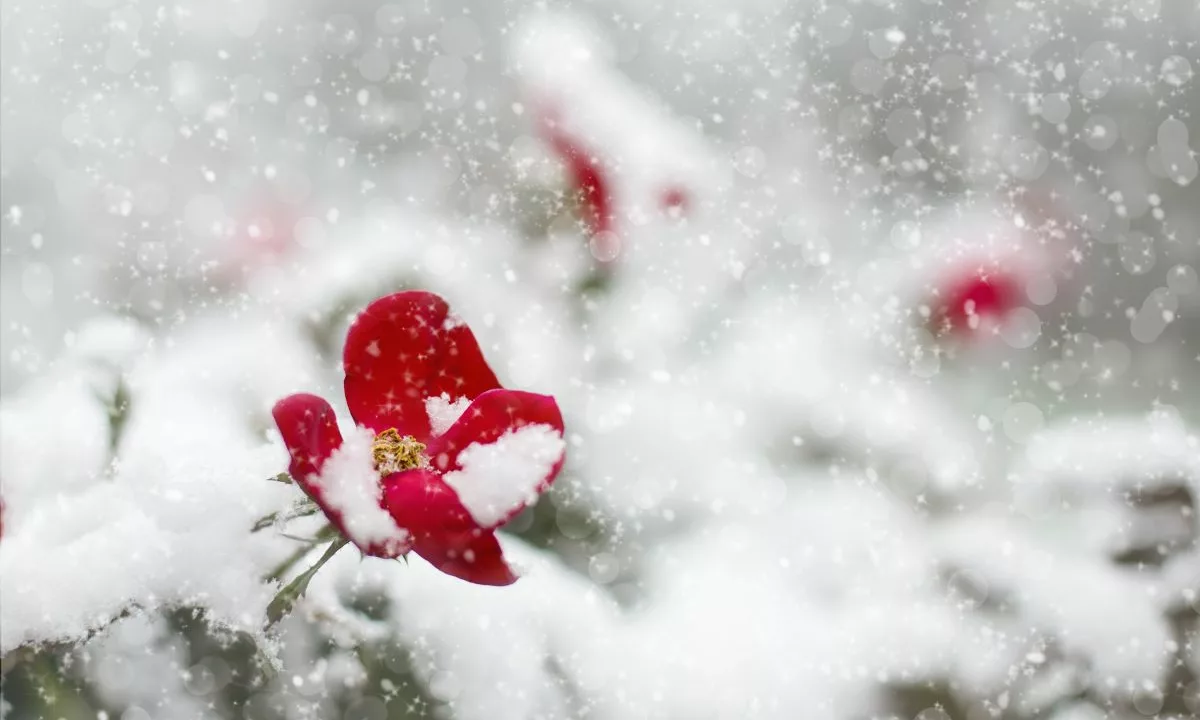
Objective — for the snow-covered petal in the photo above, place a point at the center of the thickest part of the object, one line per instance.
(350, 491)
(496, 480)
(338, 476)
(518, 479)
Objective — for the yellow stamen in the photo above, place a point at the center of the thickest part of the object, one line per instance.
(393, 452)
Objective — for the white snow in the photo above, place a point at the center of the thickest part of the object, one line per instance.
(351, 486)
(786, 498)
(168, 525)
(110, 340)
(1100, 452)
(644, 150)
(499, 477)
(1084, 603)
(499, 653)
(444, 412)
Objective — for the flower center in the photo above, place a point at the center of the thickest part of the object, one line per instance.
(393, 452)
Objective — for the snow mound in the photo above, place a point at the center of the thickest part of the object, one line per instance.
(350, 486)
(503, 476)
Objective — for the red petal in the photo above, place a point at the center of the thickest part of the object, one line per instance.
(422, 503)
(587, 176)
(491, 415)
(487, 418)
(442, 530)
(309, 429)
(475, 557)
(986, 296)
(402, 349)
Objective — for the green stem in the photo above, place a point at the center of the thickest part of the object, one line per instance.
(265, 522)
(304, 508)
(282, 568)
(293, 591)
(326, 533)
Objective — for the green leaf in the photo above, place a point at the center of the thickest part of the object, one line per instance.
(286, 598)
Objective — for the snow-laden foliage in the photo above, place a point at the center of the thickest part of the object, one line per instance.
(873, 325)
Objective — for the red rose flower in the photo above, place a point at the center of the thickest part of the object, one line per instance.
(444, 456)
(594, 175)
(587, 176)
(970, 299)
